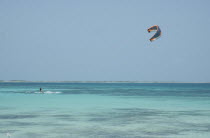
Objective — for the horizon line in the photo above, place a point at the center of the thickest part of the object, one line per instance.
(100, 81)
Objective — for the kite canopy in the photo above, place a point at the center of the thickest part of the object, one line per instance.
(157, 34)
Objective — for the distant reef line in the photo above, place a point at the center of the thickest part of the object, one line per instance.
(25, 81)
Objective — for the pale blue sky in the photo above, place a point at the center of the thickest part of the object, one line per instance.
(107, 40)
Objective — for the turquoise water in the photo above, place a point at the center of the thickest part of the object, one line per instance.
(104, 110)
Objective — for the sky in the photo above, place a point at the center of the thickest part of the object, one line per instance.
(104, 40)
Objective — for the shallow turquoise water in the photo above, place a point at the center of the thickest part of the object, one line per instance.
(104, 110)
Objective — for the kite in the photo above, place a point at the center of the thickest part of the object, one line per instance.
(157, 34)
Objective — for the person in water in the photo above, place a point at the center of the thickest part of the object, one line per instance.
(40, 89)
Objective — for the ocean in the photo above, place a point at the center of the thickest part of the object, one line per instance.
(104, 110)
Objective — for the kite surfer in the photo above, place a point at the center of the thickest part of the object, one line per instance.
(40, 89)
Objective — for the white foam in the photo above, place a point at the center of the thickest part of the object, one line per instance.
(8, 135)
(48, 92)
